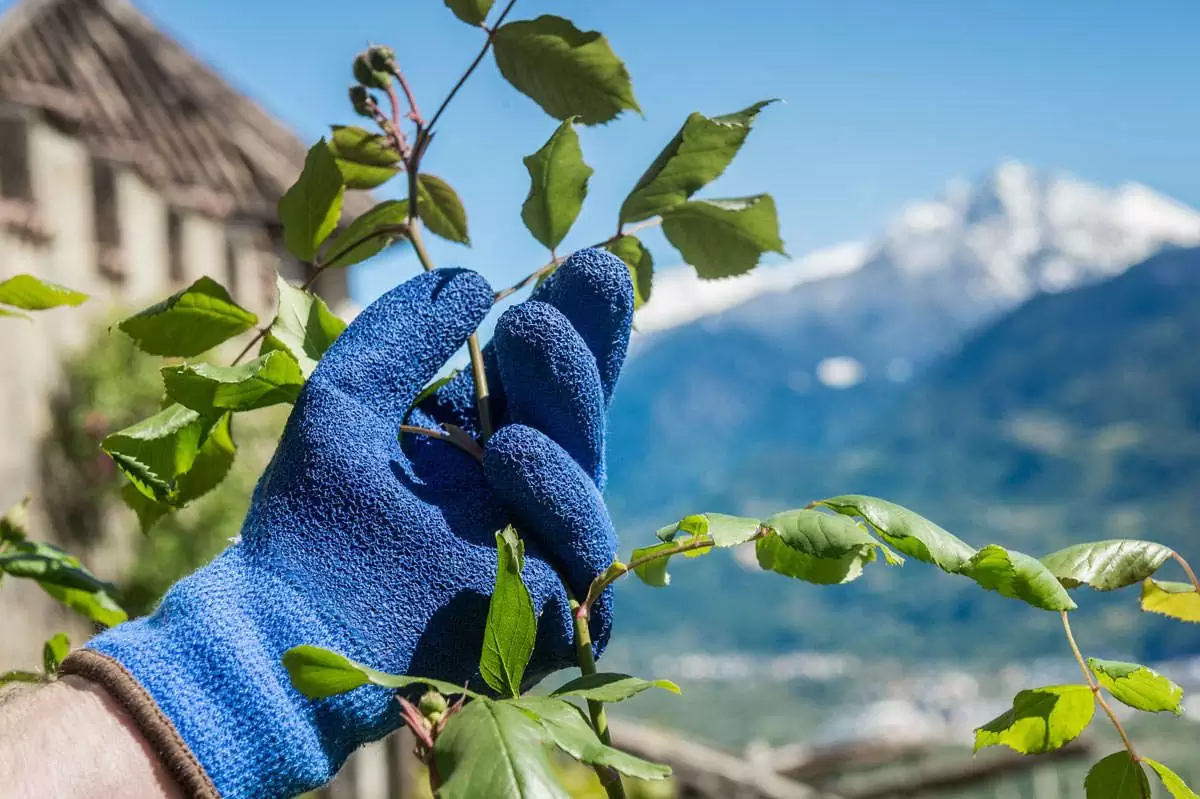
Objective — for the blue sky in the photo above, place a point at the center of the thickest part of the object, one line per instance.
(885, 100)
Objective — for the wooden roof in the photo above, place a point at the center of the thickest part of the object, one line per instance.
(107, 73)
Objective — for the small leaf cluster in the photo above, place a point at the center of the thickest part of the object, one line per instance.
(498, 744)
(60, 574)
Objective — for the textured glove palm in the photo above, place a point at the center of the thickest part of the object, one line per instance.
(387, 553)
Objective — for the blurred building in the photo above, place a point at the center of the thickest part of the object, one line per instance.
(128, 168)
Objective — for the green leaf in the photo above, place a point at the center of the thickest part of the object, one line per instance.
(33, 294)
(319, 673)
(725, 530)
(366, 160)
(153, 452)
(267, 380)
(98, 606)
(1117, 776)
(774, 555)
(511, 626)
(495, 749)
(568, 72)
(558, 180)
(819, 534)
(908, 532)
(189, 323)
(641, 266)
(304, 327)
(699, 153)
(654, 572)
(1167, 598)
(311, 208)
(723, 238)
(148, 511)
(1106, 565)
(433, 388)
(441, 210)
(472, 12)
(49, 567)
(605, 687)
(565, 726)
(211, 465)
(17, 675)
(54, 651)
(1040, 720)
(14, 525)
(1018, 576)
(1138, 686)
(1170, 780)
(367, 235)
(16, 314)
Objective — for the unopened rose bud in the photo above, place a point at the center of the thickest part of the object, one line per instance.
(432, 703)
(368, 76)
(363, 102)
(382, 58)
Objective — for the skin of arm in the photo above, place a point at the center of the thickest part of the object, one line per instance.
(70, 740)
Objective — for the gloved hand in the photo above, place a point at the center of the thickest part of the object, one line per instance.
(381, 552)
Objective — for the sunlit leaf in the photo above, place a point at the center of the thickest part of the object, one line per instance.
(912, 534)
(1018, 576)
(441, 210)
(1040, 720)
(641, 266)
(568, 72)
(558, 180)
(775, 555)
(567, 728)
(366, 160)
(1138, 686)
(1106, 565)
(190, 322)
(311, 208)
(511, 627)
(54, 652)
(319, 673)
(34, 294)
(1177, 600)
(267, 380)
(723, 238)
(472, 12)
(304, 327)
(605, 687)
(368, 235)
(1171, 781)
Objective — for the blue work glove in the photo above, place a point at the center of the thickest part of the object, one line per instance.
(382, 552)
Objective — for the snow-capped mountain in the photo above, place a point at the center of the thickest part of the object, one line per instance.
(800, 355)
(957, 260)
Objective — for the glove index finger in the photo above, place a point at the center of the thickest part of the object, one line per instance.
(394, 347)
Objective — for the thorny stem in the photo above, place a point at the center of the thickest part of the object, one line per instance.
(609, 778)
(1100, 700)
(555, 261)
(1187, 570)
(487, 45)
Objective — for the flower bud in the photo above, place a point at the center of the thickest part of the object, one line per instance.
(368, 76)
(432, 703)
(363, 102)
(382, 59)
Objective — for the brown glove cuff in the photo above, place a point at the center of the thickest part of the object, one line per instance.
(156, 728)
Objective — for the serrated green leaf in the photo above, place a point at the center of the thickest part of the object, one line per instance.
(33, 294)
(311, 208)
(49, 565)
(148, 511)
(319, 673)
(270, 379)
(17, 675)
(566, 71)
(511, 627)
(368, 235)
(366, 160)
(654, 572)
(566, 728)
(1040, 720)
(1106, 565)
(774, 555)
(558, 180)
(54, 652)
(606, 687)
(472, 12)
(1166, 598)
(1171, 781)
(441, 210)
(1018, 576)
(304, 327)
(190, 322)
(641, 266)
(1117, 776)
(723, 238)
(212, 463)
(819, 534)
(14, 525)
(729, 531)
(155, 451)
(1138, 686)
(495, 749)
(96, 606)
(912, 534)
(699, 153)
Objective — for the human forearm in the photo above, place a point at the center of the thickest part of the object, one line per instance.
(70, 739)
